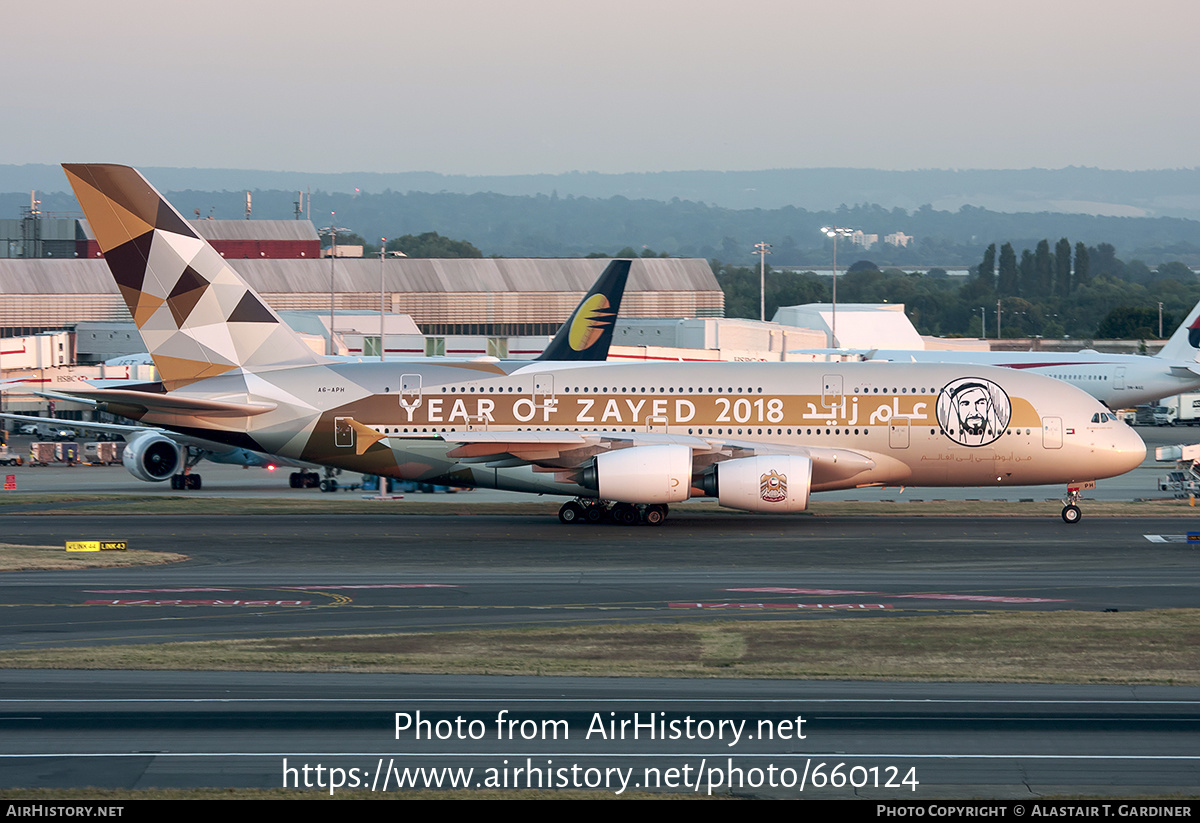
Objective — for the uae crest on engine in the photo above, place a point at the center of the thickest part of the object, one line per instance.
(773, 487)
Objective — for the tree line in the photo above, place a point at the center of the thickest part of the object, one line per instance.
(1069, 290)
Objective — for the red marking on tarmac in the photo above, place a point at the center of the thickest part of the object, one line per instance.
(197, 602)
(840, 606)
(147, 591)
(376, 586)
(782, 590)
(981, 598)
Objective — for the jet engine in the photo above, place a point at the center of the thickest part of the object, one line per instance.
(152, 457)
(642, 474)
(766, 483)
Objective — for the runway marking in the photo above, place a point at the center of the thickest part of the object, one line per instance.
(1166, 538)
(149, 591)
(372, 586)
(197, 602)
(980, 598)
(839, 606)
(983, 598)
(784, 590)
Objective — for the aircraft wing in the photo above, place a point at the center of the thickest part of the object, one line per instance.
(115, 428)
(139, 402)
(217, 452)
(564, 452)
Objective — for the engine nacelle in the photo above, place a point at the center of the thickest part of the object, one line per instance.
(642, 474)
(152, 457)
(767, 483)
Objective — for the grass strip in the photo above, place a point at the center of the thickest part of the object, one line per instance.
(57, 558)
(1146, 647)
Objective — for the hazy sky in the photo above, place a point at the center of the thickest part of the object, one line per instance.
(523, 86)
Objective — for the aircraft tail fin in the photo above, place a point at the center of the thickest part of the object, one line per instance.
(587, 334)
(197, 316)
(1184, 345)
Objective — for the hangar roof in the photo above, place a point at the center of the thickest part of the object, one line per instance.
(493, 275)
(242, 229)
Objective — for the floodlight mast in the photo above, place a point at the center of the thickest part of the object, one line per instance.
(762, 250)
(835, 232)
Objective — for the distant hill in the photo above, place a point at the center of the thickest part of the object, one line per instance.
(1076, 190)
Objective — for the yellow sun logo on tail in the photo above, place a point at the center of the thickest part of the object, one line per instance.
(591, 319)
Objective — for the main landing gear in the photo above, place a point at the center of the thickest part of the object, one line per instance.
(584, 510)
(304, 480)
(329, 484)
(186, 481)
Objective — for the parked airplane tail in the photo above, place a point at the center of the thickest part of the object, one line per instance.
(1184, 345)
(198, 317)
(587, 333)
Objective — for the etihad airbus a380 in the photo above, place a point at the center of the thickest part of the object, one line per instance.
(622, 439)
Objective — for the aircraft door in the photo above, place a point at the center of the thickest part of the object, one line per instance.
(831, 391)
(410, 391)
(543, 393)
(1052, 432)
(343, 432)
(898, 434)
(1119, 378)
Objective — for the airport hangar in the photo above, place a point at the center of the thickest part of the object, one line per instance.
(490, 297)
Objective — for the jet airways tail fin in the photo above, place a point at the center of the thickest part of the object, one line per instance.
(1184, 345)
(587, 333)
(197, 316)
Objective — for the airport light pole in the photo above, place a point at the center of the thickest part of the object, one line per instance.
(835, 232)
(332, 230)
(762, 250)
(382, 254)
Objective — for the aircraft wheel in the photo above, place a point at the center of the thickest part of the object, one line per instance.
(192, 481)
(1071, 514)
(594, 514)
(312, 480)
(176, 481)
(571, 513)
(625, 514)
(325, 486)
(655, 515)
(294, 480)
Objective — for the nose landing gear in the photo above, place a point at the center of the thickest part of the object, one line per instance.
(1071, 513)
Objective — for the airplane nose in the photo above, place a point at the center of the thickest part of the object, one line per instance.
(1128, 451)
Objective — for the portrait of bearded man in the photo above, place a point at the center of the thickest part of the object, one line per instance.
(973, 411)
